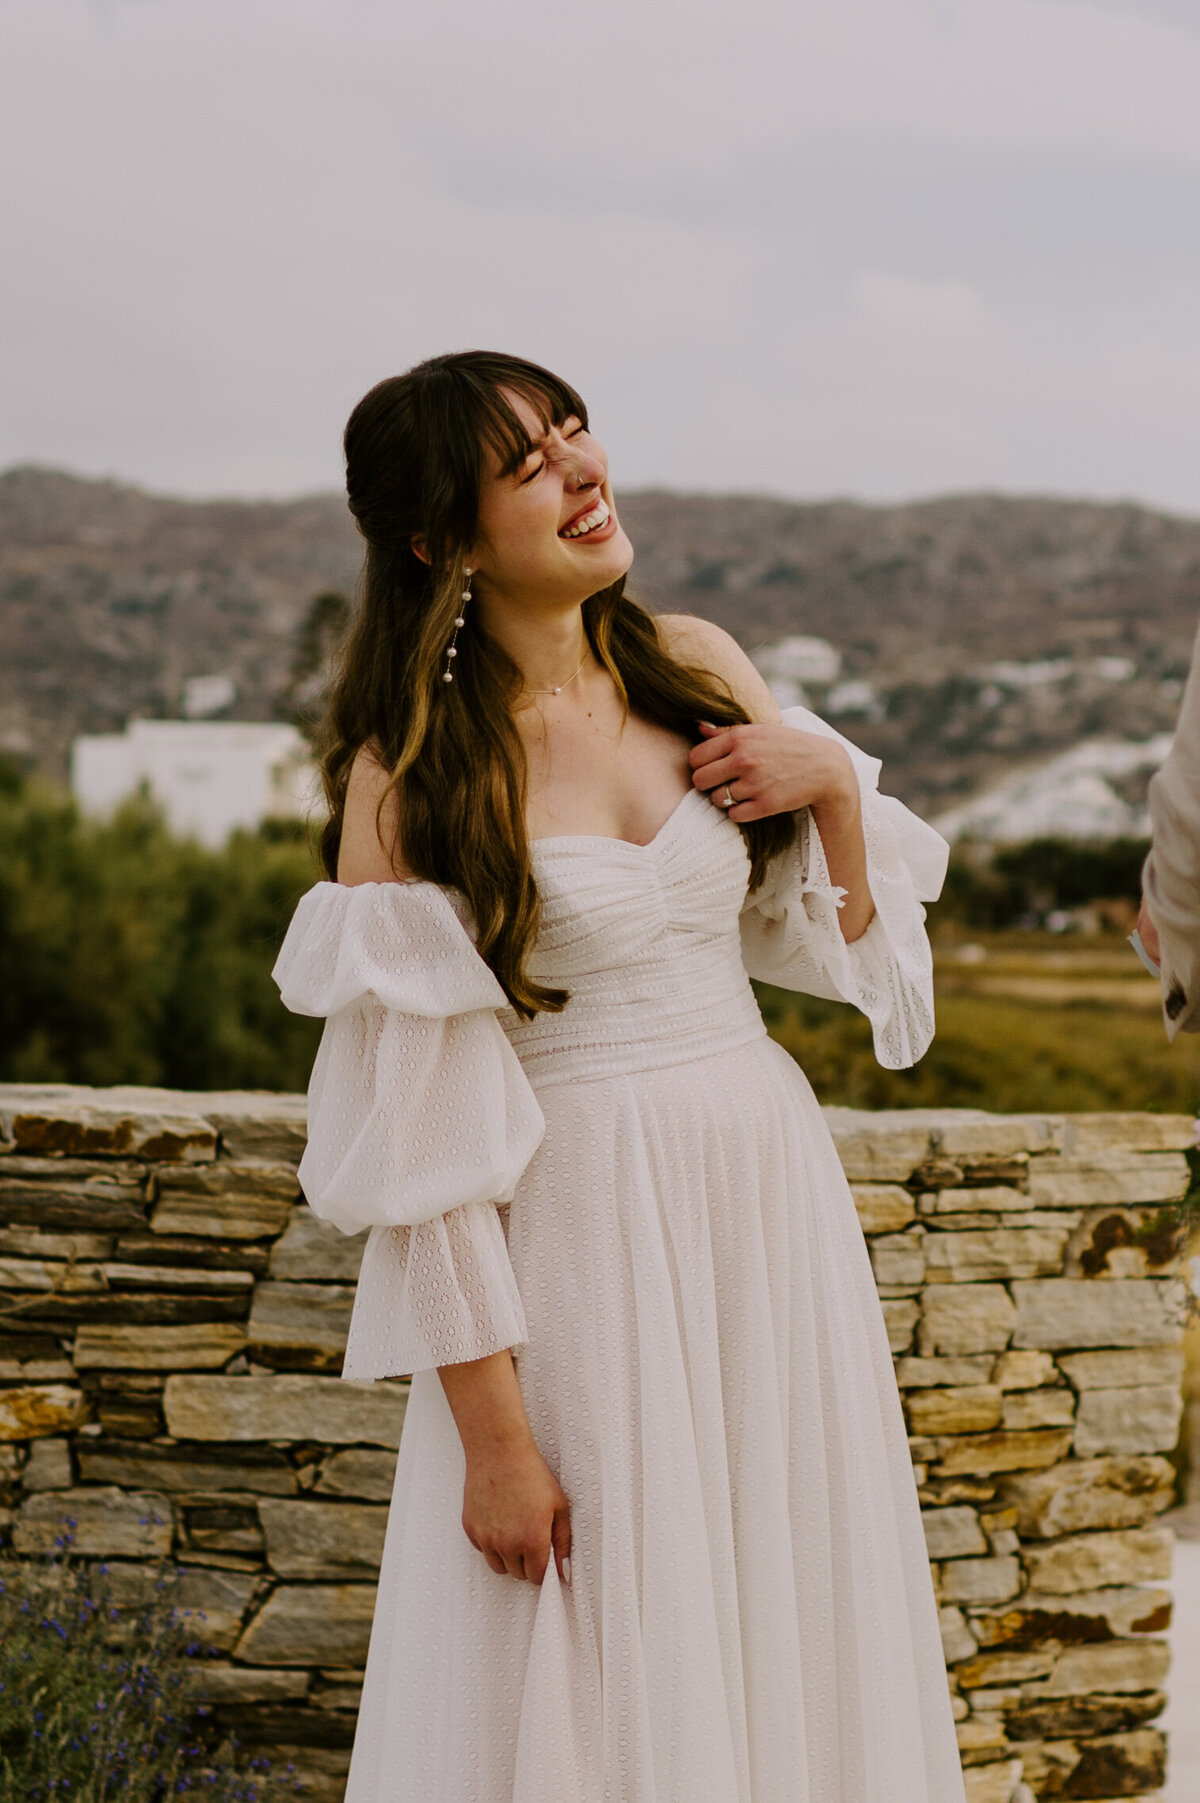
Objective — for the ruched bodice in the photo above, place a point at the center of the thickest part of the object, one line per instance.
(646, 939)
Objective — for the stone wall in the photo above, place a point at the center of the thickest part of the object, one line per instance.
(171, 1326)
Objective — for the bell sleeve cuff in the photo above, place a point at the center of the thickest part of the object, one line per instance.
(790, 931)
(421, 1119)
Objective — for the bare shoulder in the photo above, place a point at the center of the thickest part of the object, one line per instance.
(362, 857)
(697, 641)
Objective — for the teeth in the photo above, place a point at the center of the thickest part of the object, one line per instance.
(597, 517)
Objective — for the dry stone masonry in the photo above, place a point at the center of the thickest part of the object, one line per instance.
(172, 1320)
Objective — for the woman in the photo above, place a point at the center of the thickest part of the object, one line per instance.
(654, 1536)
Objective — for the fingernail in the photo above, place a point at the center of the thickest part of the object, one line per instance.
(567, 1572)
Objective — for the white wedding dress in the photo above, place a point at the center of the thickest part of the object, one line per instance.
(639, 1194)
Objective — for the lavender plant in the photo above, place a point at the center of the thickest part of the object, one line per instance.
(101, 1697)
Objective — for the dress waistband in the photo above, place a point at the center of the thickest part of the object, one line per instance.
(629, 1024)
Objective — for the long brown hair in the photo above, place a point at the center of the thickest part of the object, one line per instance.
(415, 450)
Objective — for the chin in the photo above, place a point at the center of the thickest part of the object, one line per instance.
(621, 560)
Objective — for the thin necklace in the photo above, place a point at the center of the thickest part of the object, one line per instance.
(561, 686)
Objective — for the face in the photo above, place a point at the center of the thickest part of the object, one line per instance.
(549, 533)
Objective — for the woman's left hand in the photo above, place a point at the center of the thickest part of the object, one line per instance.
(771, 770)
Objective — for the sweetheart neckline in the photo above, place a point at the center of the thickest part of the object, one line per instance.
(611, 839)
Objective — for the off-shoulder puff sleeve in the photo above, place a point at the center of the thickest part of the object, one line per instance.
(789, 926)
(420, 1119)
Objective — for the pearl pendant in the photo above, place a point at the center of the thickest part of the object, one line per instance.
(449, 676)
(460, 621)
(558, 691)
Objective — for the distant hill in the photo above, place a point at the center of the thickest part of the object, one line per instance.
(975, 631)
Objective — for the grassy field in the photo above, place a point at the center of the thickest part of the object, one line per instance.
(1024, 1022)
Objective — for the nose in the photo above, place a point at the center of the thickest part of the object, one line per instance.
(589, 471)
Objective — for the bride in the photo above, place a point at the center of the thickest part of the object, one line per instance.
(654, 1536)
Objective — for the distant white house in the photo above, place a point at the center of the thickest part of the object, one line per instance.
(1094, 791)
(208, 776)
(790, 663)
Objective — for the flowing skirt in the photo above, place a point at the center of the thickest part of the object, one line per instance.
(751, 1617)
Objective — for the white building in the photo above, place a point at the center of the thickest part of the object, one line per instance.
(790, 663)
(208, 776)
(1083, 793)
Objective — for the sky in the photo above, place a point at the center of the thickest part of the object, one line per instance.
(878, 248)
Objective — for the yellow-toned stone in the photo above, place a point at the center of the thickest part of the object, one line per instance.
(1003, 1451)
(900, 1317)
(970, 1409)
(995, 1670)
(1050, 1406)
(1078, 1183)
(1125, 1765)
(38, 1409)
(1040, 1618)
(883, 1207)
(1111, 1667)
(1073, 1312)
(958, 1642)
(206, 1345)
(1090, 1493)
(1096, 1561)
(997, 1782)
(981, 1734)
(953, 1533)
(919, 1374)
(1023, 1370)
(964, 1318)
(996, 1252)
(973, 1582)
(997, 1198)
(1117, 1421)
(1123, 1369)
(898, 1259)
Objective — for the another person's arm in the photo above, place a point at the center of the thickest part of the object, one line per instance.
(1169, 922)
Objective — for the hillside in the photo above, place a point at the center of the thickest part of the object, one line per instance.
(975, 631)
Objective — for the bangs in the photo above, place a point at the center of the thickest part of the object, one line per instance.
(552, 400)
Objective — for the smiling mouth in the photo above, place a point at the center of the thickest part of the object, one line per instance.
(592, 521)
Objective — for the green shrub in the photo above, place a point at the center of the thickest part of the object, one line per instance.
(128, 956)
(995, 1052)
(100, 1699)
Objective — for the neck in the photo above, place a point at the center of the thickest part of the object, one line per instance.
(547, 648)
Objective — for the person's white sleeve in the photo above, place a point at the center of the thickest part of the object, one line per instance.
(421, 1119)
(1171, 874)
(789, 926)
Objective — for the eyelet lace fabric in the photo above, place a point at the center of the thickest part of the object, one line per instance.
(640, 1195)
(790, 933)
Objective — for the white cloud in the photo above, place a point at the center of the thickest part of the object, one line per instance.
(233, 215)
(897, 304)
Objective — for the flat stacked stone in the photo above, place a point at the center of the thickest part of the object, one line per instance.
(173, 1317)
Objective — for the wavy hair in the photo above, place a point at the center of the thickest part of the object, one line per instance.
(415, 463)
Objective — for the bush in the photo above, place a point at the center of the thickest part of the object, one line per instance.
(128, 956)
(100, 1701)
(996, 887)
(994, 1052)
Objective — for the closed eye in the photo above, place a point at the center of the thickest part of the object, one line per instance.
(574, 432)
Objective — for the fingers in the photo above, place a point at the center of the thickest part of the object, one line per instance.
(560, 1542)
(723, 770)
(534, 1565)
(717, 742)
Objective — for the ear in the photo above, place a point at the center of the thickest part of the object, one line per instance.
(419, 547)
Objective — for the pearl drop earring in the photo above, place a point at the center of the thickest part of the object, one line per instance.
(460, 620)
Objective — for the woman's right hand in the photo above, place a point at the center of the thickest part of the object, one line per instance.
(514, 1508)
(516, 1512)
